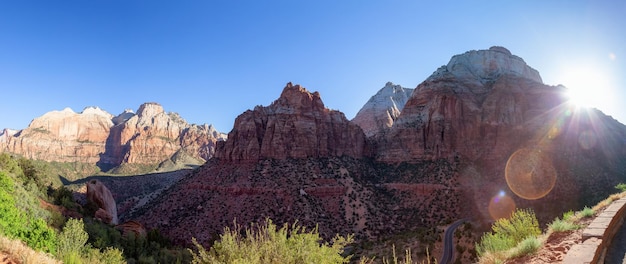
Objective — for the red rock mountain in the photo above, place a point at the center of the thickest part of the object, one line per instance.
(480, 131)
(97, 137)
(297, 125)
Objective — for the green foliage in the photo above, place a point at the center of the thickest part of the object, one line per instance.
(17, 223)
(494, 242)
(522, 224)
(621, 187)
(73, 239)
(567, 216)
(587, 212)
(108, 255)
(528, 246)
(40, 236)
(559, 225)
(267, 244)
(507, 233)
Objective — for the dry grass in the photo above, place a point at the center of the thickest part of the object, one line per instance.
(601, 205)
(20, 253)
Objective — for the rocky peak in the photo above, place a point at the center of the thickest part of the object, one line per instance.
(149, 110)
(296, 125)
(123, 117)
(486, 65)
(296, 99)
(382, 109)
(94, 110)
(469, 107)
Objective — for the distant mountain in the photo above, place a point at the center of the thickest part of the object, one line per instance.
(382, 109)
(481, 136)
(97, 137)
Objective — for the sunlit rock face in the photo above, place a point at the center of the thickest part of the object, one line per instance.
(296, 125)
(382, 109)
(63, 136)
(95, 136)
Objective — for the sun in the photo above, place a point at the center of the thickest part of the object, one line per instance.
(586, 86)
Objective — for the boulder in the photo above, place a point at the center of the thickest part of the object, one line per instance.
(99, 194)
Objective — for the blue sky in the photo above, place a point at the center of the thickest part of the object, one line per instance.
(212, 60)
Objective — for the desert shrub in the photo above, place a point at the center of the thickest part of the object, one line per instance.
(559, 225)
(528, 246)
(507, 233)
(522, 224)
(587, 212)
(621, 187)
(72, 240)
(267, 244)
(494, 242)
(567, 216)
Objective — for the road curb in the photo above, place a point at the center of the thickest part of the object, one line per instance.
(598, 235)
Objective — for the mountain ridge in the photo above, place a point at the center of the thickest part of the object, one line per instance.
(97, 137)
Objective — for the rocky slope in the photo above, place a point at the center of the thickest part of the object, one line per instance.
(382, 109)
(97, 137)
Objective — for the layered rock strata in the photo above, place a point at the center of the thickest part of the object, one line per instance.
(97, 137)
(296, 125)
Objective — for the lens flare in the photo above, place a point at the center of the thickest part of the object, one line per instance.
(501, 206)
(587, 139)
(530, 174)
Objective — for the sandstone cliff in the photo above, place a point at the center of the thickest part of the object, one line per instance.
(63, 136)
(382, 109)
(97, 137)
(153, 135)
(296, 125)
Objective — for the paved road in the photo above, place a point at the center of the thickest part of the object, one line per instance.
(448, 242)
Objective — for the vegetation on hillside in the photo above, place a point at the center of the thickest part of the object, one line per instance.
(268, 244)
(521, 228)
(53, 235)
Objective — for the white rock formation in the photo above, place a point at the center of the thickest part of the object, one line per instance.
(382, 109)
(484, 66)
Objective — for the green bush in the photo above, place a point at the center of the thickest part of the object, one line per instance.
(587, 212)
(559, 225)
(621, 187)
(40, 236)
(522, 224)
(72, 239)
(267, 244)
(507, 233)
(528, 246)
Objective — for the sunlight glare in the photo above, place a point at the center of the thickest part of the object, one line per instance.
(587, 87)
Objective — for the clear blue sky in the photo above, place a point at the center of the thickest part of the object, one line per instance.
(211, 60)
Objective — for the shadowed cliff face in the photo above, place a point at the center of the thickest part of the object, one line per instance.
(515, 136)
(296, 125)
